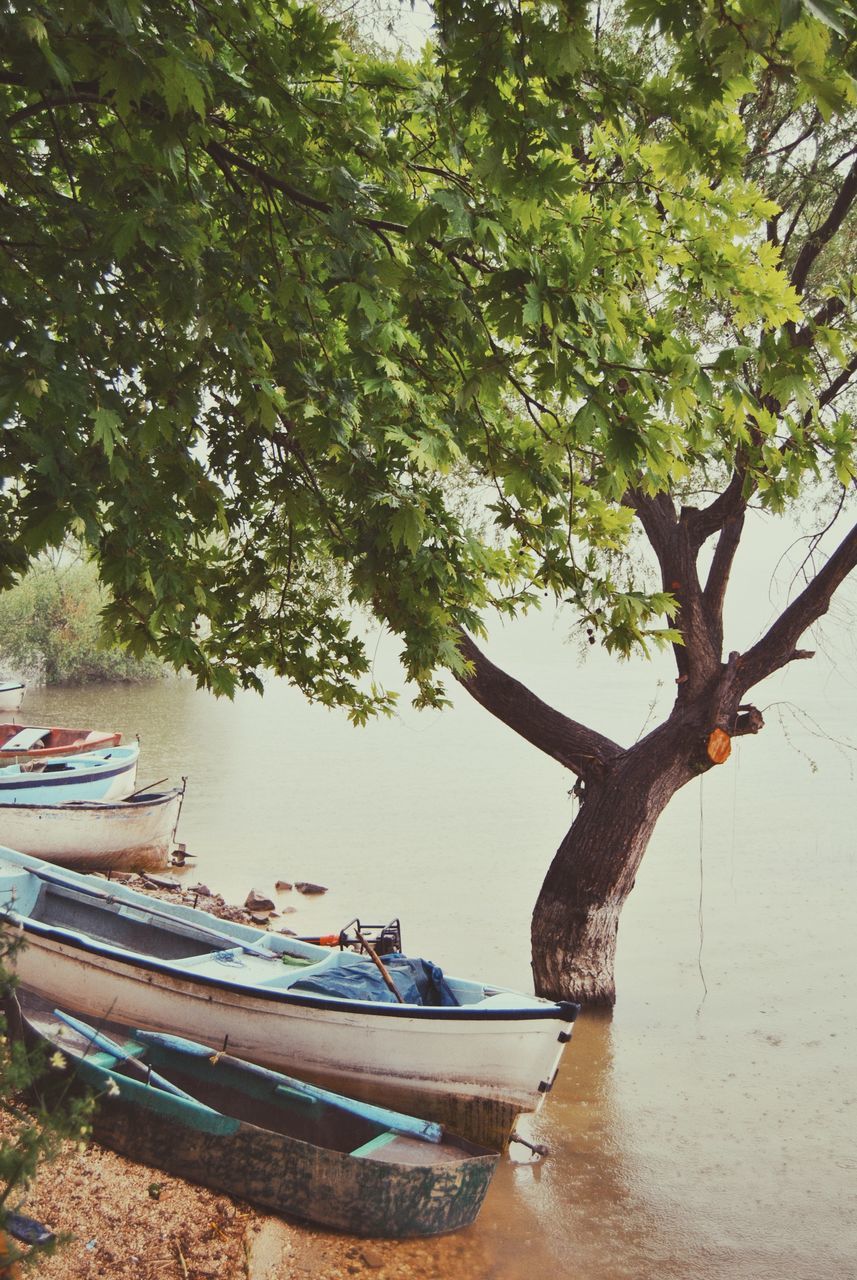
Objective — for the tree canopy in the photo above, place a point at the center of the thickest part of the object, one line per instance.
(289, 330)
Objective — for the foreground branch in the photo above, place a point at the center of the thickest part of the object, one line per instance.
(578, 748)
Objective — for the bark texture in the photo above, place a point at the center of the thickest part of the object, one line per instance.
(576, 918)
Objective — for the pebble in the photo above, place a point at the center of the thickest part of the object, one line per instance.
(305, 886)
(282, 885)
(163, 882)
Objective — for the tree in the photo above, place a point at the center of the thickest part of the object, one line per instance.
(50, 623)
(296, 333)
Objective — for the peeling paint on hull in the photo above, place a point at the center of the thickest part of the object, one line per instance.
(134, 835)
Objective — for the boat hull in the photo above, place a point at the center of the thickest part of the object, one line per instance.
(477, 1075)
(105, 775)
(96, 835)
(261, 1137)
(334, 1190)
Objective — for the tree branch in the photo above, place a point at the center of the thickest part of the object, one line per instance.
(578, 748)
(818, 239)
(714, 592)
(702, 522)
(839, 382)
(778, 646)
(658, 517)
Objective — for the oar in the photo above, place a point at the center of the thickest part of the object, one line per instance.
(412, 1126)
(140, 790)
(116, 1051)
(380, 966)
(200, 929)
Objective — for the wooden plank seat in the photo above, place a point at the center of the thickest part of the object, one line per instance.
(26, 739)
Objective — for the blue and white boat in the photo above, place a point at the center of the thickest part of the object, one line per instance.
(97, 775)
(468, 1054)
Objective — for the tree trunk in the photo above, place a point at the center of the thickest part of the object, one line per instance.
(576, 917)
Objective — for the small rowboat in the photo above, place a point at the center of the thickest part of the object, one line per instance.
(101, 775)
(11, 694)
(135, 834)
(22, 742)
(264, 1137)
(454, 1049)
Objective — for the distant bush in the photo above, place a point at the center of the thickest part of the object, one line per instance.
(50, 627)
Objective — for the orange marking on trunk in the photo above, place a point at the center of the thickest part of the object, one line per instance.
(719, 746)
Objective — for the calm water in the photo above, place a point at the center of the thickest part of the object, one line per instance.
(709, 1128)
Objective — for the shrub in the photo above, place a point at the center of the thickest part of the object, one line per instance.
(50, 626)
(41, 1114)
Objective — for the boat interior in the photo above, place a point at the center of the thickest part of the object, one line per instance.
(207, 947)
(36, 738)
(238, 1090)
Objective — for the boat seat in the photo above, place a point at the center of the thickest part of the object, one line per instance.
(25, 740)
(100, 1059)
(289, 973)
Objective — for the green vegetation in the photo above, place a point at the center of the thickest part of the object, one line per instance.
(39, 1114)
(267, 297)
(50, 623)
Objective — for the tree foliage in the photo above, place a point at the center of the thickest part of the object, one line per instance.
(264, 296)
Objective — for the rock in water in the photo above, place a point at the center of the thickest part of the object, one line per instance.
(303, 886)
(256, 901)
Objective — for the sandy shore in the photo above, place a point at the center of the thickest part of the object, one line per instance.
(129, 1222)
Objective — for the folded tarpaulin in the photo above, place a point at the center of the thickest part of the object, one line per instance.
(417, 981)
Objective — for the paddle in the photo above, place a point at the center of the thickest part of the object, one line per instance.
(412, 1126)
(140, 790)
(380, 966)
(116, 1051)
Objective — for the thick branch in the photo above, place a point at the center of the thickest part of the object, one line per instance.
(658, 517)
(714, 592)
(822, 236)
(839, 383)
(676, 545)
(582, 750)
(702, 522)
(779, 645)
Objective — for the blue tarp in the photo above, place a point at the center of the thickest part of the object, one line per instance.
(417, 981)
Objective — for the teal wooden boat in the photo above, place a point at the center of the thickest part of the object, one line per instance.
(265, 1137)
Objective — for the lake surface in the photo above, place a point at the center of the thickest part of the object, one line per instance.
(708, 1129)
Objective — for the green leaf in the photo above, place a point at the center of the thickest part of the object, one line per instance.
(106, 429)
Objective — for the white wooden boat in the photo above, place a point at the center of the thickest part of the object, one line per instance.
(23, 742)
(107, 951)
(91, 775)
(11, 694)
(134, 834)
